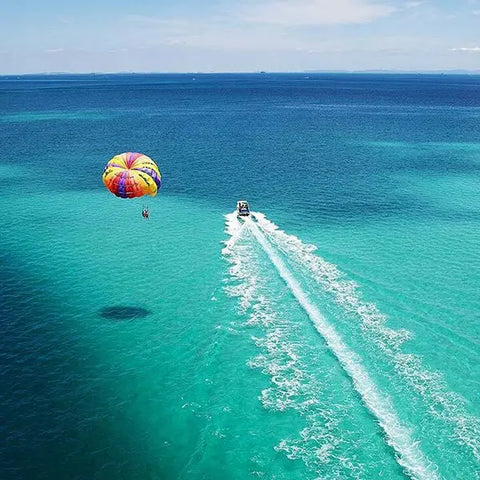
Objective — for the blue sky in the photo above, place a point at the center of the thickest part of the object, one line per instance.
(233, 36)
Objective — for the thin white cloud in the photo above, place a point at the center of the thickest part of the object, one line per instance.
(225, 34)
(207, 34)
(465, 49)
(476, 12)
(170, 22)
(316, 12)
(413, 4)
(54, 50)
(65, 19)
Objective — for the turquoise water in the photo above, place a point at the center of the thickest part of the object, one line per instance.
(335, 338)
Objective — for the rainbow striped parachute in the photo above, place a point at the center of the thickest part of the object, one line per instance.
(131, 174)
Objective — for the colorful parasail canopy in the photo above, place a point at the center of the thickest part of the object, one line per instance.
(131, 174)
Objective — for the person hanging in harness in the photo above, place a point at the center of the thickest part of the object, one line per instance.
(145, 213)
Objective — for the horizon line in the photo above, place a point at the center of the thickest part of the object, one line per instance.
(263, 72)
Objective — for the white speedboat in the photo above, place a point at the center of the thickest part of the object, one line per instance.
(243, 210)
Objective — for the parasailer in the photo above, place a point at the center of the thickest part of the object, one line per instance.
(132, 174)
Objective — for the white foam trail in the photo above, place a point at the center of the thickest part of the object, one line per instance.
(247, 290)
(397, 435)
(442, 403)
(321, 441)
(234, 229)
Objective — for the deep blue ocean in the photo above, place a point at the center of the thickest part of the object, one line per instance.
(335, 337)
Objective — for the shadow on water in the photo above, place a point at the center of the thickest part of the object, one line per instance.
(123, 312)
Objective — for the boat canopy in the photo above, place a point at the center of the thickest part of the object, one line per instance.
(243, 208)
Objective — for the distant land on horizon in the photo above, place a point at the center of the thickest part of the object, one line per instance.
(259, 72)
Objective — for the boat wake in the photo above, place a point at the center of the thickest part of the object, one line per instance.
(300, 269)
